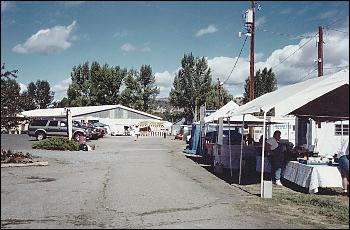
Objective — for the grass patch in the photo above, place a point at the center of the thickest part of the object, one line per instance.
(301, 209)
(57, 143)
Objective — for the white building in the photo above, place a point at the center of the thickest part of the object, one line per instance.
(117, 117)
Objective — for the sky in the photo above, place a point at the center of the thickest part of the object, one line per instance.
(44, 40)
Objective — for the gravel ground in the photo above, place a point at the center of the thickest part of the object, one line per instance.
(124, 183)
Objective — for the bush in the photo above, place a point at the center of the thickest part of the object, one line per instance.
(57, 143)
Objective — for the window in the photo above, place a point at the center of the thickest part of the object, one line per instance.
(39, 123)
(53, 123)
(339, 128)
(63, 124)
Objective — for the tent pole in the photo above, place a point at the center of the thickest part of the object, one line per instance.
(263, 157)
(229, 141)
(240, 158)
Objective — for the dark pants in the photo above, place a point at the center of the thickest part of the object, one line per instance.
(277, 162)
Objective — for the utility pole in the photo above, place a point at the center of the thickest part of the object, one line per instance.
(219, 94)
(320, 51)
(252, 56)
(249, 24)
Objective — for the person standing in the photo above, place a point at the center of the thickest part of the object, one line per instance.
(276, 157)
(344, 166)
(133, 133)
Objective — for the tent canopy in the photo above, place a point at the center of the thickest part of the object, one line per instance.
(323, 99)
(224, 113)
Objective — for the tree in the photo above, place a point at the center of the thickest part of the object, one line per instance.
(192, 86)
(211, 101)
(95, 85)
(74, 92)
(28, 101)
(11, 103)
(64, 102)
(130, 97)
(109, 86)
(147, 90)
(38, 95)
(264, 82)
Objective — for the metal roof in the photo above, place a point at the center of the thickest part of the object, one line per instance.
(79, 111)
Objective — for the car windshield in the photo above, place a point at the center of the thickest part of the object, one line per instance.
(99, 124)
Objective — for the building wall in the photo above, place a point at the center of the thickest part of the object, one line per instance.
(116, 119)
(118, 113)
(326, 140)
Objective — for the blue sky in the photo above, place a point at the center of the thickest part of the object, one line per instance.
(44, 40)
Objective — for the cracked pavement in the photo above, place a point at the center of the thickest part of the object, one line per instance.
(146, 183)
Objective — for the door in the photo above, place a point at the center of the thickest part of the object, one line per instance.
(53, 129)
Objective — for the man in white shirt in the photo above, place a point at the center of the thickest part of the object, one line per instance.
(276, 157)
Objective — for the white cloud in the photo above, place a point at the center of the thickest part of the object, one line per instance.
(5, 5)
(62, 86)
(209, 30)
(164, 81)
(260, 21)
(47, 41)
(23, 87)
(127, 47)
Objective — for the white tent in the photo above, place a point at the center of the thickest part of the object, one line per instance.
(223, 112)
(325, 98)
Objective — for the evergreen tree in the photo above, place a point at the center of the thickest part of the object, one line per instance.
(147, 90)
(192, 86)
(130, 96)
(264, 82)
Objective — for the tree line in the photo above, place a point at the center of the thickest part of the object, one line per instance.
(98, 84)
(102, 85)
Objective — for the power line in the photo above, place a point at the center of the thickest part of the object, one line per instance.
(283, 34)
(334, 22)
(295, 51)
(240, 52)
(346, 32)
(304, 77)
(313, 70)
(337, 67)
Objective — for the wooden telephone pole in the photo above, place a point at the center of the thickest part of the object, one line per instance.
(320, 51)
(218, 102)
(252, 56)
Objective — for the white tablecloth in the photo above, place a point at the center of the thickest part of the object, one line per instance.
(312, 176)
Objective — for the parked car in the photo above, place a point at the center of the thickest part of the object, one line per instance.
(100, 127)
(92, 131)
(42, 129)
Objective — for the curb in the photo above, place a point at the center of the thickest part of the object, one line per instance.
(41, 163)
